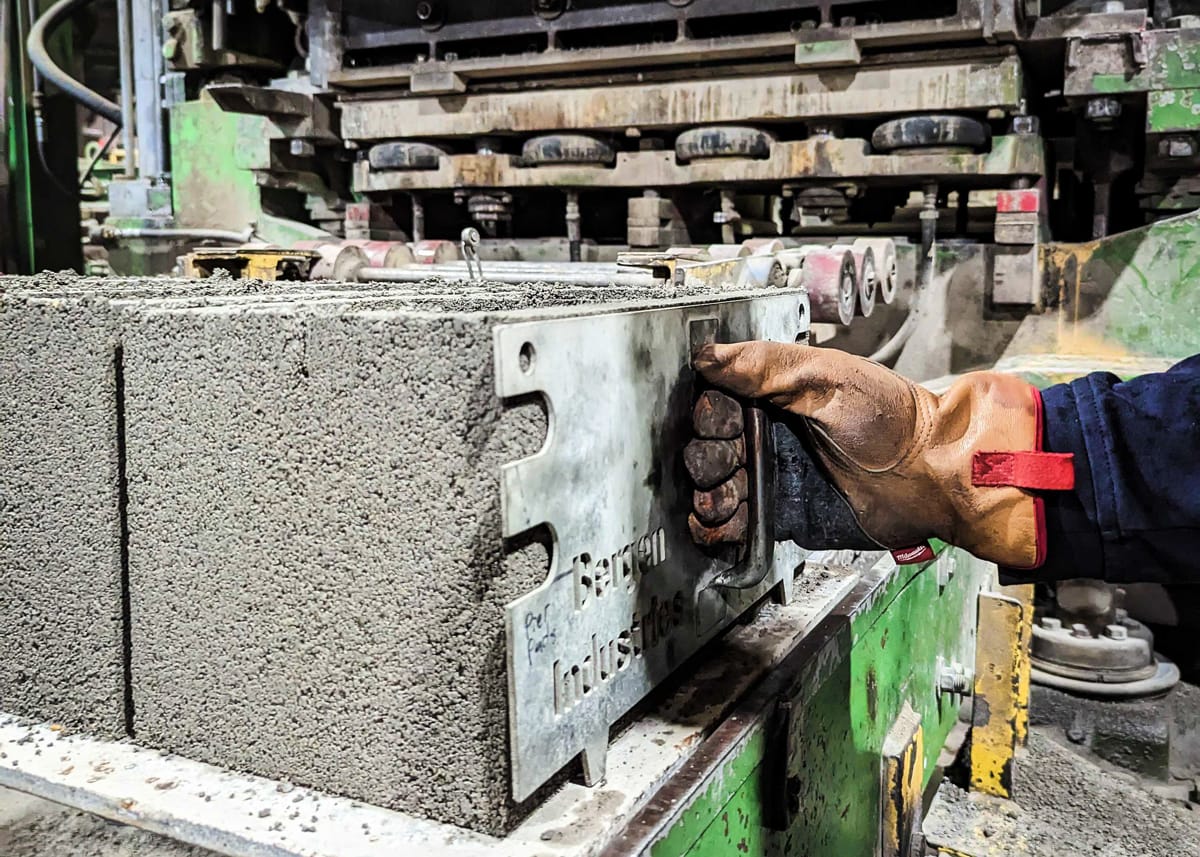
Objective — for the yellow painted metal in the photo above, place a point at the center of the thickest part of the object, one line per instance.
(903, 755)
(1000, 710)
(257, 263)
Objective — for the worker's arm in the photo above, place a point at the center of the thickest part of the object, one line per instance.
(993, 466)
(1135, 512)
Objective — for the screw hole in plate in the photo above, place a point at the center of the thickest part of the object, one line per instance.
(526, 357)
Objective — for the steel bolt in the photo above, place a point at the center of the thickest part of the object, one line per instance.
(1080, 630)
(1111, 6)
(1177, 147)
(954, 678)
(1051, 623)
(302, 148)
(1103, 109)
(1116, 632)
(1024, 124)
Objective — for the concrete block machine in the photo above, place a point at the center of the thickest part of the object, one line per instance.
(376, 499)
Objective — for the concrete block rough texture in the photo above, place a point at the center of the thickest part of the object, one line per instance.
(317, 572)
(60, 557)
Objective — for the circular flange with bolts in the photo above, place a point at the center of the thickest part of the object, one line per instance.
(884, 252)
(722, 141)
(1165, 677)
(924, 132)
(1119, 661)
(831, 282)
(404, 155)
(576, 149)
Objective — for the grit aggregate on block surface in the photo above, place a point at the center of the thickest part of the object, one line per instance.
(60, 608)
(316, 572)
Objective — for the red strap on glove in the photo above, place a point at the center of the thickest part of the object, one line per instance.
(1036, 471)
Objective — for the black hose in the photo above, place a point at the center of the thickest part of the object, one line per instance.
(40, 58)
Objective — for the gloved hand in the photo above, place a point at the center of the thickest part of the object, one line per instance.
(911, 464)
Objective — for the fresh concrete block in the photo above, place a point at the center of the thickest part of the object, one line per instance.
(60, 556)
(61, 626)
(317, 570)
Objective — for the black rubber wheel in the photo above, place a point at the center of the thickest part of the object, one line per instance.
(566, 149)
(404, 155)
(923, 132)
(722, 141)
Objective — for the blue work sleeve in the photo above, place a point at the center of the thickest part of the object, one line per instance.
(1135, 512)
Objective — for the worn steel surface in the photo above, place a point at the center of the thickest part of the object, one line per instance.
(631, 46)
(971, 82)
(1000, 708)
(629, 596)
(1010, 156)
(796, 768)
(1127, 296)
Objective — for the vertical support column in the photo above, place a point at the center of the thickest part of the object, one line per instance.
(146, 20)
(324, 40)
(1000, 714)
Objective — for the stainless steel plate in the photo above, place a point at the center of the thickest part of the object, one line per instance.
(629, 597)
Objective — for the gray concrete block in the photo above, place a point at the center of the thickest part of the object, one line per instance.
(61, 628)
(316, 573)
(317, 570)
(60, 607)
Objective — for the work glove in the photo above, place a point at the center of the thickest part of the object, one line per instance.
(865, 457)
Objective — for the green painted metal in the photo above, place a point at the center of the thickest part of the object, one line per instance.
(210, 184)
(845, 701)
(19, 166)
(1172, 61)
(1172, 110)
(1139, 291)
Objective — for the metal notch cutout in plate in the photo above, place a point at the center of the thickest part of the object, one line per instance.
(629, 597)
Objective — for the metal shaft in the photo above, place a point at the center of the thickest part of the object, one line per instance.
(125, 58)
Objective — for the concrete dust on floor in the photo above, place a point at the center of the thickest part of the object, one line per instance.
(1064, 804)
(32, 827)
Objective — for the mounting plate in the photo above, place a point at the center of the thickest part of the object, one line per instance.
(629, 597)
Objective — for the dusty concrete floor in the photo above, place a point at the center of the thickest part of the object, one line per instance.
(1065, 804)
(32, 827)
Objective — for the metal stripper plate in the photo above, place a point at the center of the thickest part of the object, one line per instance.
(629, 597)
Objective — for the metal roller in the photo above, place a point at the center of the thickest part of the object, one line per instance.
(885, 264)
(832, 284)
(384, 254)
(339, 260)
(762, 246)
(867, 273)
(433, 252)
(728, 251)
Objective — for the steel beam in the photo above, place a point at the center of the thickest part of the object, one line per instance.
(821, 158)
(978, 82)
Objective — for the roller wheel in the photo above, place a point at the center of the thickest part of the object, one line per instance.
(722, 141)
(403, 155)
(868, 284)
(566, 149)
(924, 132)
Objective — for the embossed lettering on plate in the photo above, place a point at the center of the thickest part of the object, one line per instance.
(629, 597)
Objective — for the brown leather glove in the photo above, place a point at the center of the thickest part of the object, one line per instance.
(912, 465)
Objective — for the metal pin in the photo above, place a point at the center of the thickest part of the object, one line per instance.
(470, 251)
